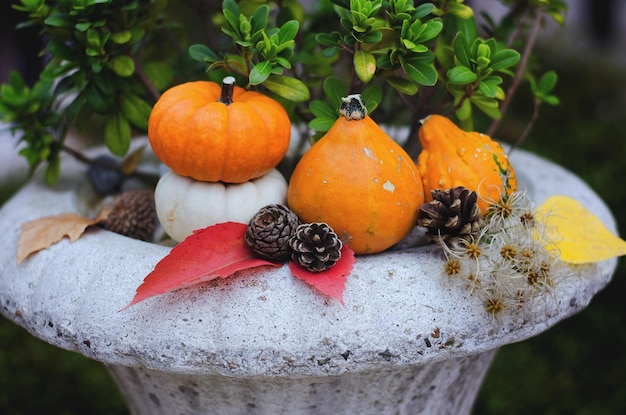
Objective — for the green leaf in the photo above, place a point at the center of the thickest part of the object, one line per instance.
(551, 100)
(462, 50)
(322, 109)
(287, 87)
(547, 82)
(290, 10)
(372, 96)
(464, 111)
(61, 50)
(59, 20)
(260, 72)
(417, 48)
(107, 85)
(421, 70)
(388, 39)
(423, 10)
(236, 63)
(503, 59)
(372, 37)
(283, 62)
(326, 39)
(231, 13)
(431, 30)
(489, 86)
(117, 134)
(461, 75)
(461, 11)
(53, 170)
(202, 53)
(487, 105)
(80, 112)
(137, 34)
(83, 26)
(558, 17)
(136, 110)
(288, 31)
(334, 90)
(122, 65)
(402, 85)
(321, 124)
(364, 65)
(122, 37)
(17, 85)
(160, 74)
(101, 103)
(465, 26)
(93, 52)
(330, 52)
(94, 39)
(487, 89)
(69, 83)
(258, 20)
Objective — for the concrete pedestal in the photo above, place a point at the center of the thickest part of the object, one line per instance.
(263, 342)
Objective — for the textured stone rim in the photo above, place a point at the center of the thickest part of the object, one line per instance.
(397, 309)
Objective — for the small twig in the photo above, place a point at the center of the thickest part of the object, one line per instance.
(148, 178)
(142, 75)
(145, 81)
(76, 154)
(528, 128)
(530, 43)
(516, 33)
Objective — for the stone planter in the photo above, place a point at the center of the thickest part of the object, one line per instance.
(263, 342)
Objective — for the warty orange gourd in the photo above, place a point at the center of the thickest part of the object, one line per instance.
(358, 181)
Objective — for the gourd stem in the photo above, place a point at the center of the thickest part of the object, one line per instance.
(228, 87)
(352, 107)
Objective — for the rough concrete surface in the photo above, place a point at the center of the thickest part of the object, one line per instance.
(264, 324)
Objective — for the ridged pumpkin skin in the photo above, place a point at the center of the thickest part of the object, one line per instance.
(184, 205)
(198, 136)
(453, 157)
(361, 183)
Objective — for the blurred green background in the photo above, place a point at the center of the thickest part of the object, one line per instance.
(577, 367)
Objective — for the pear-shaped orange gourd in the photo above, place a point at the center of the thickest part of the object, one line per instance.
(453, 157)
(218, 133)
(358, 181)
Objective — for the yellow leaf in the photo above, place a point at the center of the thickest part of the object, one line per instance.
(42, 233)
(576, 233)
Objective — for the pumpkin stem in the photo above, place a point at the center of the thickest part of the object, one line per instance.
(352, 107)
(228, 87)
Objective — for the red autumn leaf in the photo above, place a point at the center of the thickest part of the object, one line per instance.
(217, 251)
(331, 282)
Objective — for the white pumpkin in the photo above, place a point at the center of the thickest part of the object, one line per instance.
(184, 204)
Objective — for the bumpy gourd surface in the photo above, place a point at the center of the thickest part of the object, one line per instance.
(361, 183)
(197, 136)
(452, 157)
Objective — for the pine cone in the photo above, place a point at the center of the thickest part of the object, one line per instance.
(453, 214)
(269, 231)
(132, 214)
(315, 246)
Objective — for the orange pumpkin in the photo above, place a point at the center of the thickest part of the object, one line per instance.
(212, 133)
(453, 157)
(358, 181)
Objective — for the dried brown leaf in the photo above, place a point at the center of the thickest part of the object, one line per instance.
(42, 233)
(130, 162)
